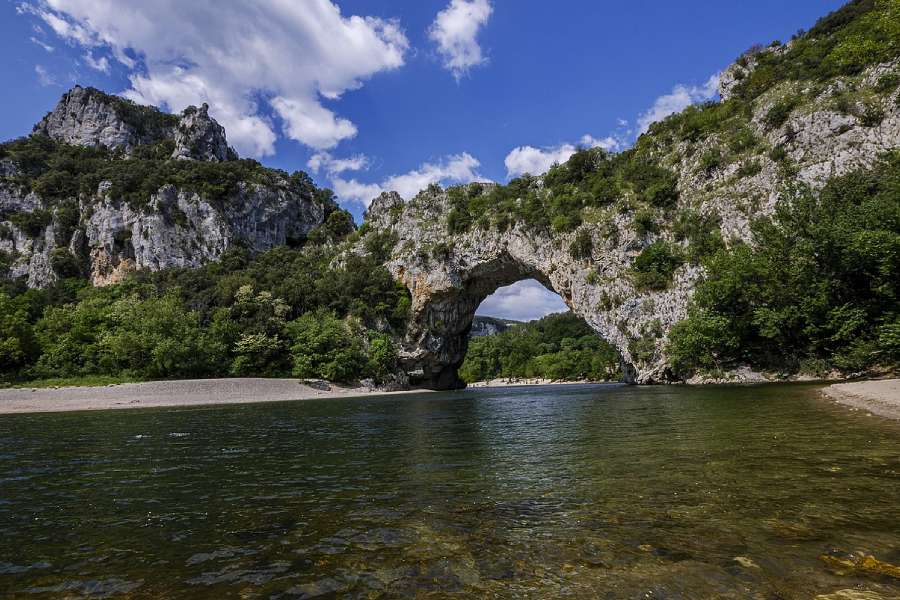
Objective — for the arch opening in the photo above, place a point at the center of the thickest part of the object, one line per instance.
(440, 333)
(525, 332)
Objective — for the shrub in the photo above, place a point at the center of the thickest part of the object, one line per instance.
(749, 168)
(701, 231)
(872, 115)
(64, 264)
(582, 246)
(655, 265)
(778, 153)
(887, 83)
(383, 357)
(711, 160)
(18, 346)
(781, 112)
(742, 140)
(325, 347)
(32, 224)
(645, 222)
(704, 340)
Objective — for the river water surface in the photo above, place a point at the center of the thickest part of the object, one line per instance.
(537, 492)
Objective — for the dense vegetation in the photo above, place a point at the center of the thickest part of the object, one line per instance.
(862, 33)
(817, 290)
(559, 346)
(591, 179)
(59, 172)
(148, 122)
(284, 312)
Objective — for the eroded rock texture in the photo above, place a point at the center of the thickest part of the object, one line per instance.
(110, 237)
(200, 137)
(449, 275)
(88, 117)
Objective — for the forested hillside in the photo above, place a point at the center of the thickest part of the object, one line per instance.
(559, 346)
(760, 230)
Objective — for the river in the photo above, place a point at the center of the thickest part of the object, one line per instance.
(533, 492)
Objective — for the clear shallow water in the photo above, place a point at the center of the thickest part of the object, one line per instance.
(543, 492)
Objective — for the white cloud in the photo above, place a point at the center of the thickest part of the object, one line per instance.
(101, 64)
(313, 124)
(522, 301)
(459, 168)
(43, 45)
(528, 159)
(238, 56)
(681, 97)
(44, 78)
(455, 29)
(335, 166)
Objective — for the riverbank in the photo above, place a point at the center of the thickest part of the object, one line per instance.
(880, 397)
(190, 392)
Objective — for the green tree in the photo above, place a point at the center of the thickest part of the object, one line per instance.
(324, 346)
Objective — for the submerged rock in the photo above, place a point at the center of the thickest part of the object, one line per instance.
(859, 563)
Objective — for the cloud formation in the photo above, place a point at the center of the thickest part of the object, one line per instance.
(681, 97)
(522, 301)
(536, 161)
(455, 31)
(458, 168)
(45, 46)
(245, 59)
(98, 64)
(324, 161)
(44, 78)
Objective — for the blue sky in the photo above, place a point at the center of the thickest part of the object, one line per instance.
(370, 95)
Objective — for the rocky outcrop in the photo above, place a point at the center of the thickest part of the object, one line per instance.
(181, 229)
(107, 237)
(176, 228)
(89, 117)
(199, 137)
(449, 275)
(488, 326)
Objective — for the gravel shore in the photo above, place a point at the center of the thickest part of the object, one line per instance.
(880, 397)
(191, 392)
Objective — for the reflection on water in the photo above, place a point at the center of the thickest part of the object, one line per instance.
(582, 492)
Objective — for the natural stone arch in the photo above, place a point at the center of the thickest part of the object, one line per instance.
(438, 334)
(449, 275)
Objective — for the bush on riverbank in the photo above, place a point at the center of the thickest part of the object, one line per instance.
(818, 287)
(241, 316)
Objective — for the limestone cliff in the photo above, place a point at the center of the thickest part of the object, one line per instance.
(754, 160)
(89, 117)
(109, 230)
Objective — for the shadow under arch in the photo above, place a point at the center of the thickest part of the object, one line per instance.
(438, 334)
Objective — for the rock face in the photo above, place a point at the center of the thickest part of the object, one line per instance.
(199, 137)
(88, 117)
(487, 326)
(449, 278)
(181, 229)
(449, 275)
(110, 237)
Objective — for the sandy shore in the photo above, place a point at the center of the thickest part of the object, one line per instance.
(881, 397)
(194, 392)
